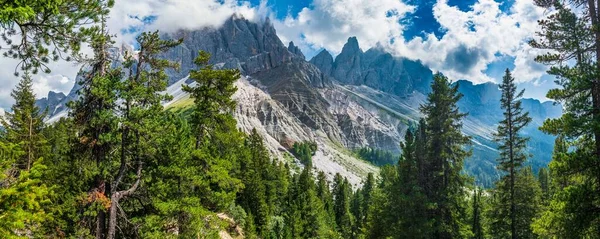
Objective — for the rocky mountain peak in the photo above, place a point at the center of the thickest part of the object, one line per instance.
(295, 50)
(351, 46)
(324, 61)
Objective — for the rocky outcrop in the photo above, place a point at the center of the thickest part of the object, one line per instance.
(295, 50)
(375, 68)
(51, 103)
(239, 43)
(324, 61)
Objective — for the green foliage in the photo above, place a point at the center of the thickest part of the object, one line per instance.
(528, 200)
(512, 156)
(304, 152)
(477, 215)
(25, 123)
(37, 32)
(23, 196)
(570, 36)
(376, 156)
(212, 97)
(444, 182)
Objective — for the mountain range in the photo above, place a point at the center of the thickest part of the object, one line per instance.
(355, 99)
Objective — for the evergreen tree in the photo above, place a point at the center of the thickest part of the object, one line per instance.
(326, 197)
(25, 123)
(544, 180)
(571, 36)
(212, 98)
(47, 30)
(445, 183)
(24, 196)
(341, 205)
(477, 226)
(511, 146)
(408, 197)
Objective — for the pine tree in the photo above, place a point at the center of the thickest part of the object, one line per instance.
(511, 145)
(571, 36)
(408, 197)
(544, 180)
(326, 197)
(445, 183)
(24, 198)
(253, 197)
(477, 209)
(212, 98)
(341, 205)
(48, 30)
(25, 123)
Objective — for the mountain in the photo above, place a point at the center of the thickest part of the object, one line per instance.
(359, 99)
(375, 68)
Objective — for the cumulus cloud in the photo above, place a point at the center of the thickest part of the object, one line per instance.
(328, 23)
(478, 37)
(61, 79)
(128, 18)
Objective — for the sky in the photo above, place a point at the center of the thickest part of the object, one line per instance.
(474, 40)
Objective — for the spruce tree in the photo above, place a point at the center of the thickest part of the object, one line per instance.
(444, 182)
(341, 205)
(25, 123)
(511, 146)
(544, 180)
(477, 212)
(571, 37)
(212, 97)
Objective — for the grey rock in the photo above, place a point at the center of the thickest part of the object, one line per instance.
(296, 51)
(375, 68)
(324, 61)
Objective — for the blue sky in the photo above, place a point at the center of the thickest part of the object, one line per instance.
(474, 40)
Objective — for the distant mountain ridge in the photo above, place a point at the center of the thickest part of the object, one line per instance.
(359, 99)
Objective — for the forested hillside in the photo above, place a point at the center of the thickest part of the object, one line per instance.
(120, 165)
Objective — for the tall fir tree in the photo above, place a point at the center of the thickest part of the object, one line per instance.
(444, 182)
(512, 147)
(544, 180)
(341, 205)
(25, 123)
(477, 214)
(571, 37)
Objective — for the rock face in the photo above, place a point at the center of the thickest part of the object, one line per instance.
(239, 44)
(295, 50)
(376, 69)
(51, 103)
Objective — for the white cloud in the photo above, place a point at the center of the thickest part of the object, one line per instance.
(474, 38)
(173, 15)
(329, 23)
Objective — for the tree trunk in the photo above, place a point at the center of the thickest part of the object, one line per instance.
(114, 203)
(30, 143)
(100, 224)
